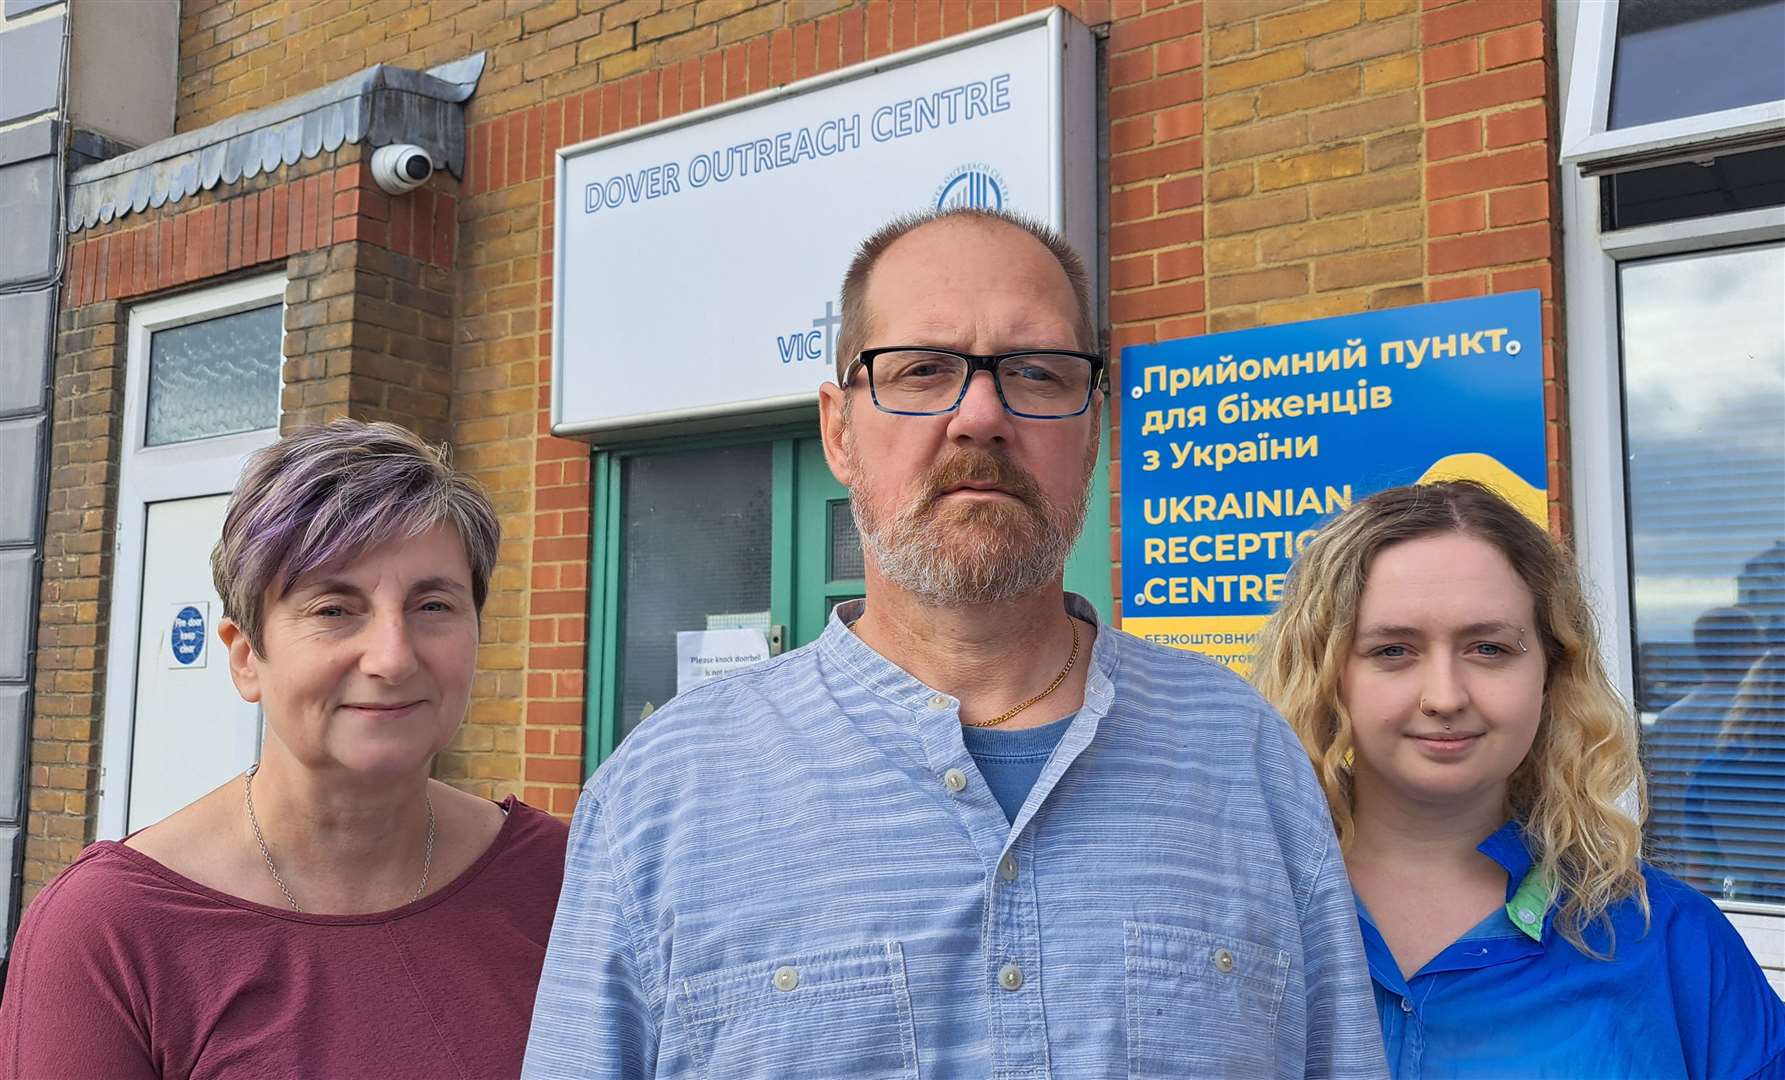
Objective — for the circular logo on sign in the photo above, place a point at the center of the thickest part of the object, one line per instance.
(188, 634)
(975, 185)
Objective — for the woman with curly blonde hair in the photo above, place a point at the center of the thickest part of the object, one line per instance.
(1436, 657)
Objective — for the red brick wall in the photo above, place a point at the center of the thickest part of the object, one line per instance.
(1493, 204)
(580, 77)
(1269, 160)
(256, 223)
(1276, 160)
(368, 326)
(73, 617)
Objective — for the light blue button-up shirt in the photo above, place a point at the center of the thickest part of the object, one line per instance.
(797, 871)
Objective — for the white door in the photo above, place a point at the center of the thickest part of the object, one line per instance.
(201, 393)
(192, 731)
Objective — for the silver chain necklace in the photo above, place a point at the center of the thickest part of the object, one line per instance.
(427, 858)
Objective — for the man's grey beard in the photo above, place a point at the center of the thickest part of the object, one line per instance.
(977, 553)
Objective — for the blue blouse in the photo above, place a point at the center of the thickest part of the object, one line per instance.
(1512, 998)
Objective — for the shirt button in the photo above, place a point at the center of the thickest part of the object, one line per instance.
(1223, 960)
(786, 979)
(1406, 1005)
(1010, 977)
(1527, 916)
(1007, 868)
(938, 702)
(955, 781)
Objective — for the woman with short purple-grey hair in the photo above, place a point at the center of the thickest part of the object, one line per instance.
(334, 911)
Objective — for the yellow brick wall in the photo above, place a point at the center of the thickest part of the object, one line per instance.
(1269, 160)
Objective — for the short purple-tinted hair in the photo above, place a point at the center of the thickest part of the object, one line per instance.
(325, 495)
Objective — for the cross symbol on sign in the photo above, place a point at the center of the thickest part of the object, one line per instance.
(829, 322)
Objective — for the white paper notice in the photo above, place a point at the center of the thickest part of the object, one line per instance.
(704, 655)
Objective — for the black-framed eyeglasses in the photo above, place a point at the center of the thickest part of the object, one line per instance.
(1036, 384)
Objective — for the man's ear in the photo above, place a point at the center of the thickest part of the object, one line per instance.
(831, 429)
(244, 664)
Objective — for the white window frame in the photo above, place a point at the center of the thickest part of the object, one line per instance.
(151, 474)
(1595, 148)
(1594, 358)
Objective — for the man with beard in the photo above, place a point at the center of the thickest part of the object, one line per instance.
(969, 832)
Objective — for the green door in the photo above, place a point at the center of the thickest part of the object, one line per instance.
(827, 561)
(827, 552)
(748, 529)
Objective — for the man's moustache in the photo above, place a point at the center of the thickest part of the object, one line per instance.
(984, 469)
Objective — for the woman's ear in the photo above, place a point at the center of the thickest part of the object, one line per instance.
(244, 662)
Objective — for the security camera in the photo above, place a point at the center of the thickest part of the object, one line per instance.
(401, 168)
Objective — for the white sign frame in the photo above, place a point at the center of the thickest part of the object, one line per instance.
(580, 376)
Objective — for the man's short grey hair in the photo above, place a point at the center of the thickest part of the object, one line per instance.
(323, 496)
(854, 329)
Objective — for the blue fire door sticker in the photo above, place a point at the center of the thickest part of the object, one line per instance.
(188, 635)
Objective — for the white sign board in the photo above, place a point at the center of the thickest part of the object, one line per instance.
(704, 655)
(698, 260)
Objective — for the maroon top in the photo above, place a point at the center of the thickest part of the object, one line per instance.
(124, 969)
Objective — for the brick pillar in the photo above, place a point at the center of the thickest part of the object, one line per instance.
(1491, 178)
(73, 619)
(368, 334)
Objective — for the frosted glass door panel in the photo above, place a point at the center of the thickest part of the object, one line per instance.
(216, 377)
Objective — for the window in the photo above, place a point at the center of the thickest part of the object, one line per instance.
(731, 532)
(1705, 470)
(1722, 185)
(219, 376)
(679, 511)
(1678, 58)
(1673, 167)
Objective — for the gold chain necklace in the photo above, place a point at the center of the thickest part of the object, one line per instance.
(427, 859)
(1051, 687)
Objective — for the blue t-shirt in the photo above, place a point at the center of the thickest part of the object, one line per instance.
(1512, 998)
(1011, 761)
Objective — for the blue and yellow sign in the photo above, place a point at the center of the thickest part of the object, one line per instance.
(1236, 447)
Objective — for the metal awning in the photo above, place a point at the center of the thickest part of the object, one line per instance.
(381, 105)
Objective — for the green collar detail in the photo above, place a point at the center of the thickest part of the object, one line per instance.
(1530, 903)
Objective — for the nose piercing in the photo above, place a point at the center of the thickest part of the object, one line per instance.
(1424, 708)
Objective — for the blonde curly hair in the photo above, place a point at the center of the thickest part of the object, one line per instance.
(1571, 792)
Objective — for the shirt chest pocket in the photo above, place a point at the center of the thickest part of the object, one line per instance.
(1201, 1004)
(838, 1012)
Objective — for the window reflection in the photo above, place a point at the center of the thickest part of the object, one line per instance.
(1680, 58)
(1704, 359)
(1726, 184)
